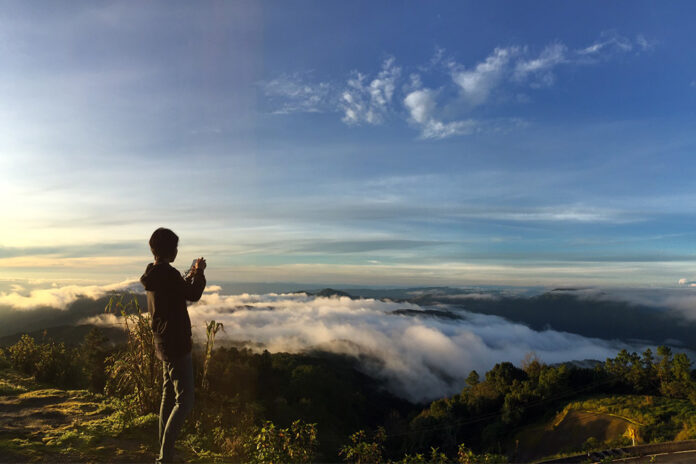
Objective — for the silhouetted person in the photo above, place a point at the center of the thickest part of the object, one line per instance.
(167, 292)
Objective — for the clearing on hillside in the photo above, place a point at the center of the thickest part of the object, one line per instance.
(568, 432)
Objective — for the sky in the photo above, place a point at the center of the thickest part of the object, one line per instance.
(363, 143)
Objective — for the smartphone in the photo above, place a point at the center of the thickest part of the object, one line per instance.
(193, 266)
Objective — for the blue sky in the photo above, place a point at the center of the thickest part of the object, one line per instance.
(393, 143)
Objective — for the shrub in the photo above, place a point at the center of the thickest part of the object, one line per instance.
(296, 443)
(49, 362)
(363, 450)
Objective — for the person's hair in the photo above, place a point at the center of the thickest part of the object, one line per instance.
(163, 243)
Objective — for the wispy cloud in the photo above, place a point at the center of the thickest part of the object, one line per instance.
(540, 67)
(611, 41)
(369, 101)
(293, 93)
(362, 99)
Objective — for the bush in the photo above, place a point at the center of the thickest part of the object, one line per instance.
(363, 450)
(24, 355)
(296, 443)
(49, 362)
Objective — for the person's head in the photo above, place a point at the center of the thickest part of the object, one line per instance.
(163, 244)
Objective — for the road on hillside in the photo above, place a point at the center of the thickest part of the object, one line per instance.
(678, 457)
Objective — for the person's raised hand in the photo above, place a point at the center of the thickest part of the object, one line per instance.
(200, 265)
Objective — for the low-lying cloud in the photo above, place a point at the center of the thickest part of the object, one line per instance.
(682, 300)
(60, 297)
(419, 357)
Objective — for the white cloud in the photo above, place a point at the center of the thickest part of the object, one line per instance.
(644, 43)
(61, 297)
(298, 95)
(564, 213)
(370, 102)
(612, 42)
(476, 84)
(366, 100)
(681, 299)
(541, 66)
(421, 105)
(420, 358)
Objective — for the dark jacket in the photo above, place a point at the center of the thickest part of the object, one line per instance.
(167, 292)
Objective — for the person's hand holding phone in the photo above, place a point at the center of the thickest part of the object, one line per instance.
(200, 265)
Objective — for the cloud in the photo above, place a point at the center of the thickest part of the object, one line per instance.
(362, 246)
(612, 42)
(295, 94)
(419, 357)
(61, 297)
(476, 84)
(72, 251)
(514, 65)
(541, 66)
(421, 105)
(370, 102)
(681, 299)
(645, 44)
(365, 100)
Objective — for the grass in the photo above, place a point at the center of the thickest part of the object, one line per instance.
(12, 382)
(657, 418)
(48, 424)
(605, 420)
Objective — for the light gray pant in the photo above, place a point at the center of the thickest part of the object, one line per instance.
(177, 402)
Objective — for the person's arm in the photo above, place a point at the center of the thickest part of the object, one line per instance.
(194, 284)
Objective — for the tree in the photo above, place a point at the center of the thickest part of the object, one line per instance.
(473, 379)
(94, 353)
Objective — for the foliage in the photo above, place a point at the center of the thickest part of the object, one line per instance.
(134, 372)
(94, 354)
(271, 444)
(508, 397)
(364, 450)
(655, 418)
(435, 457)
(48, 362)
(211, 329)
(263, 407)
(467, 456)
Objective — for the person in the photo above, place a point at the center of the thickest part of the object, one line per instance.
(167, 293)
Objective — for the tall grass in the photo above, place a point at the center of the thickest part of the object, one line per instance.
(134, 372)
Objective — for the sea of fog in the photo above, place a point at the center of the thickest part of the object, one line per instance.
(420, 352)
